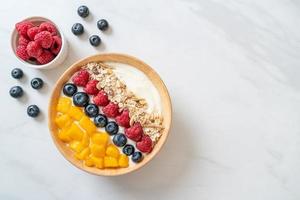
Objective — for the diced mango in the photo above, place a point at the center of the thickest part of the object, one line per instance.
(87, 125)
(75, 112)
(98, 162)
(110, 162)
(63, 121)
(64, 136)
(98, 150)
(112, 151)
(64, 104)
(123, 161)
(75, 132)
(85, 140)
(100, 138)
(83, 154)
(77, 146)
(89, 162)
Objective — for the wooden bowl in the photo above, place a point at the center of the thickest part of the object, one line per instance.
(119, 58)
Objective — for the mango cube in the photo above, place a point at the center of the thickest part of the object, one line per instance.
(123, 161)
(89, 162)
(100, 138)
(64, 136)
(98, 150)
(98, 162)
(76, 146)
(85, 140)
(110, 162)
(75, 112)
(87, 125)
(63, 121)
(63, 105)
(75, 132)
(83, 154)
(112, 151)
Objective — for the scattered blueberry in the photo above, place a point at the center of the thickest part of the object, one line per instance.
(83, 11)
(102, 24)
(17, 73)
(120, 139)
(128, 149)
(137, 157)
(16, 91)
(112, 128)
(33, 111)
(95, 40)
(80, 99)
(100, 120)
(91, 110)
(69, 89)
(77, 29)
(37, 83)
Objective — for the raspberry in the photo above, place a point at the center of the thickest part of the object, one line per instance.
(81, 78)
(44, 38)
(123, 119)
(56, 45)
(101, 99)
(22, 53)
(145, 145)
(23, 40)
(91, 87)
(31, 32)
(135, 132)
(45, 57)
(111, 110)
(47, 26)
(34, 49)
(23, 26)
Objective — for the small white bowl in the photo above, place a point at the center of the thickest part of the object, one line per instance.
(60, 57)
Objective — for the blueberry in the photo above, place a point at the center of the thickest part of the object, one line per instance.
(120, 139)
(128, 149)
(91, 110)
(33, 111)
(100, 120)
(37, 83)
(17, 73)
(137, 157)
(102, 24)
(95, 40)
(80, 99)
(112, 128)
(69, 89)
(16, 91)
(77, 29)
(83, 11)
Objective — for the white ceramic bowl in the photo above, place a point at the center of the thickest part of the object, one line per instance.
(60, 57)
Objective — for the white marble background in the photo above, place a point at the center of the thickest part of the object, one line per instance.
(232, 69)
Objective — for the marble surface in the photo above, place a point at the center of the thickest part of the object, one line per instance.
(232, 69)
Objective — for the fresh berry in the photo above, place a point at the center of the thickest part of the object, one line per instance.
(91, 110)
(145, 145)
(56, 45)
(81, 78)
(16, 91)
(100, 120)
(128, 149)
(69, 89)
(83, 11)
(44, 38)
(31, 32)
(135, 132)
(101, 99)
(22, 52)
(111, 110)
(102, 24)
(17, 73)
(48, 26)
(23, 40)
(137, 157)
(77, 29)
(33, 111)
(34, 49)
(91, 87)
(37, 83)
(45, 57)
(22, 27)
(112, 128)
(80, 99)
(95, 40)
(120, 139)
(123, 119)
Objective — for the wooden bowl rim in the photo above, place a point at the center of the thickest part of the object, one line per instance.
(121, 58)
